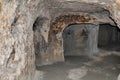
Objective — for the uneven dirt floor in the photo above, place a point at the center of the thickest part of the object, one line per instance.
(106, 66)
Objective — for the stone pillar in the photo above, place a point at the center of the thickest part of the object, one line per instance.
(93, 39)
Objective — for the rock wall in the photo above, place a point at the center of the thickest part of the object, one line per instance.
(17, 59)
(116, 12)
(75, 39)
(17, 56)
(80, 39)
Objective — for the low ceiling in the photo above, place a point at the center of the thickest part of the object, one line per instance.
(94, 7)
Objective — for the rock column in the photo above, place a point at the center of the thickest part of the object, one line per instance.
(93, 39)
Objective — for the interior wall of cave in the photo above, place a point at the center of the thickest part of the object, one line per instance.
(21, 39)
(75, 38)
(80, 39)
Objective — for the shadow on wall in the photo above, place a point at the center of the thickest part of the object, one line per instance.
(80, 39)
(40, 44)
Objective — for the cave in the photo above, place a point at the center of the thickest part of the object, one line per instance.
(86, 48)
(59, 39)
(74, 45)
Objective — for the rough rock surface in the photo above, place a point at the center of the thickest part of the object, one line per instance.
(17, 58)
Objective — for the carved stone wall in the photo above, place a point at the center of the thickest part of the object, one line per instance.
(17, 55)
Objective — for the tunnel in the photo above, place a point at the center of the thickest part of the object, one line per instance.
(109, 37)
(78, 50)
(80, 41)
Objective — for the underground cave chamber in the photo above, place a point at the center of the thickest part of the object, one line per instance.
(76, 38)
(54, 39)
(75, 45)
(79, 41)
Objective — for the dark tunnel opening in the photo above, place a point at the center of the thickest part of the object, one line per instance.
(109, 37)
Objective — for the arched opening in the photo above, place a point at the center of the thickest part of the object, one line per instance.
(80, 40)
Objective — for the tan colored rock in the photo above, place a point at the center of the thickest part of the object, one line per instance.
(17, 55)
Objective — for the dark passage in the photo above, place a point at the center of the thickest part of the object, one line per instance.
(80, 39)
(109, 37)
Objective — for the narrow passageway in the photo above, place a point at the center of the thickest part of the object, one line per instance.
(75, 39)
(78, 65)
(80, 39)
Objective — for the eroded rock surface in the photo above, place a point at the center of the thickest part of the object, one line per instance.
(17, 55)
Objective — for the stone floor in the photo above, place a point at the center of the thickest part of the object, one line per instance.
(102, 67)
